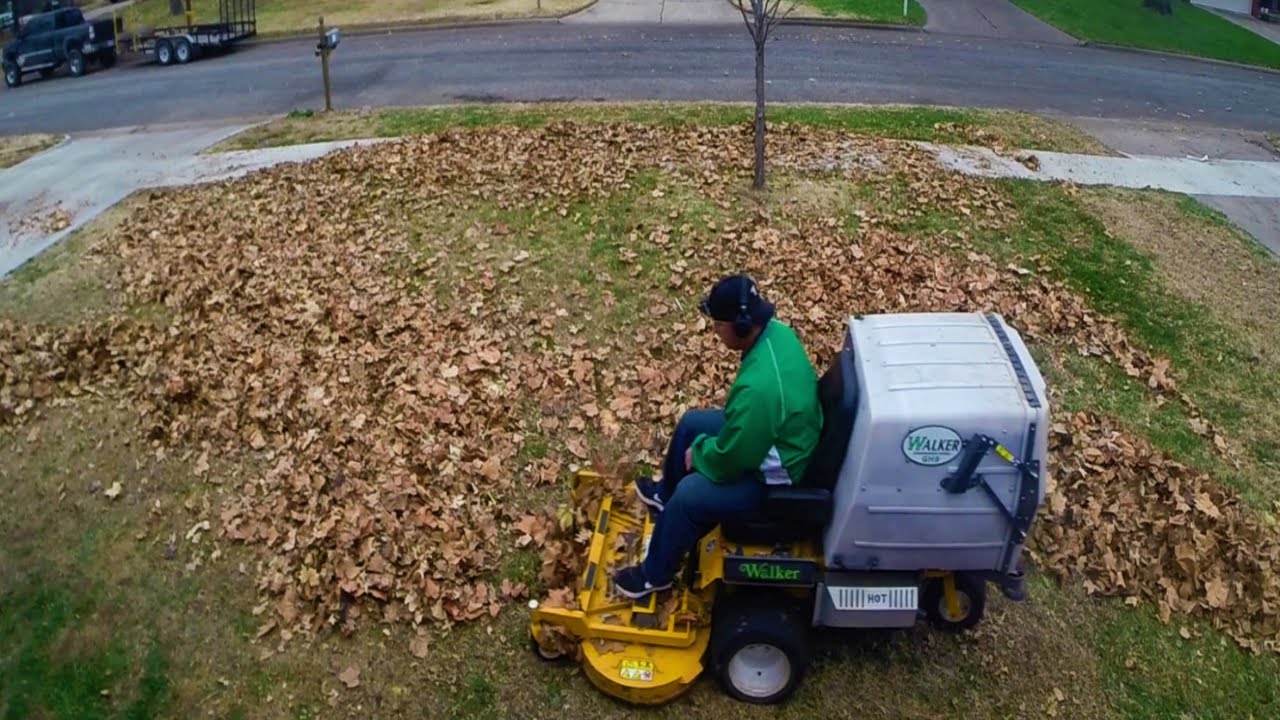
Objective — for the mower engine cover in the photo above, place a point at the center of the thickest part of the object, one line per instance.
(931, 385)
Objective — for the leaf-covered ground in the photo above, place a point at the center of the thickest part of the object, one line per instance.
(407, 348)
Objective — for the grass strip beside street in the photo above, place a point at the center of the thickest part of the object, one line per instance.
(1190, 30)
(16, 148)
(888, 12)
(283, 17)
(998, 128)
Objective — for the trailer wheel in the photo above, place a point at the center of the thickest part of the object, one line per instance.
(759, 649)
(971, 597)
(107, 59)
(182, 51)
(75, 63)
(12, 75)
(164, 52)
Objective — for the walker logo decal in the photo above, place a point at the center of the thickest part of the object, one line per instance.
(787, 572)
(766, 571)
(932, 445)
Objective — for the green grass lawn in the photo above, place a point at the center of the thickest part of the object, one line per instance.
(882, 11)
(112, 608)
(1190, 30)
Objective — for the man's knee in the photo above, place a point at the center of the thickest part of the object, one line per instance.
(690, 494)
(699, 420)
(703, 501)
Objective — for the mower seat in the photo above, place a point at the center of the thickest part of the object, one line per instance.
(791, 513)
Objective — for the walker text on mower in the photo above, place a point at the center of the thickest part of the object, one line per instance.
(922, 491)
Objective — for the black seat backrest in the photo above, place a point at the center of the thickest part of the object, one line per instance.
(838, 393)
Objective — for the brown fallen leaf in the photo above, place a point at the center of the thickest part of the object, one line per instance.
(114, 491)
(606, 647)
(419, 646)
(1215, 593)
(350, 677)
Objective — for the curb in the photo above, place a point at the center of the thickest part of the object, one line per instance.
(1179, 56)
(414, 26)
(461, 24)
(858, 24)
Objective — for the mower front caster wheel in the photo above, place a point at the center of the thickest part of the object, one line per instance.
(759, 653)
(970, 601)
(544, 654)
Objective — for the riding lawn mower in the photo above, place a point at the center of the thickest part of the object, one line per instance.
(921, 493)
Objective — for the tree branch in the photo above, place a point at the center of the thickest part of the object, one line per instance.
(746, 16)
(775, 17)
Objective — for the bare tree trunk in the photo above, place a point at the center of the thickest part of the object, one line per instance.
(760, 21)
(758, 182)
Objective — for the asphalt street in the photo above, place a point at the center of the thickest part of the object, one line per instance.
(554, 61)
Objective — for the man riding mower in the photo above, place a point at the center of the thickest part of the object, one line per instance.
(883, 492)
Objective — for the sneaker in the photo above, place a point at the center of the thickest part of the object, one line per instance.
(649, 492)
(632, 584)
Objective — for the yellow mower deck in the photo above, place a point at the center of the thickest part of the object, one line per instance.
(646, 652)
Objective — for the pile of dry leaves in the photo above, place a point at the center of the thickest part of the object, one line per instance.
(375, 328)
(1135, 524)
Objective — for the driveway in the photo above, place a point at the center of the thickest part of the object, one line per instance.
(106, 10)
(51, 195)
(990, 18)
(1268, 30)
(665, 12)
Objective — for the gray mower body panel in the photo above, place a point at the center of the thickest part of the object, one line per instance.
(927, 384)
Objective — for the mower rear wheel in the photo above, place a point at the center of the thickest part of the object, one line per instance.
(971, 599)
(759, 649)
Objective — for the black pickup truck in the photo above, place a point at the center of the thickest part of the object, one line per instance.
(48, 40)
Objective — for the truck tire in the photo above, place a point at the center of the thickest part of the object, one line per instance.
(75, 62)
(164, 52)
(182, 51)
(12, 75)
(759, 648)
(107, 59)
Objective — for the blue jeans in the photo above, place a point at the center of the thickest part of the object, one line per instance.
(693, 504)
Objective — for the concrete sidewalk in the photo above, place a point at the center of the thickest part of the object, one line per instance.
(1246, 191)
(1258, 216)
(1236, 178)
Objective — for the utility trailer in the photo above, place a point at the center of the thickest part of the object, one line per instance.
(237, 20)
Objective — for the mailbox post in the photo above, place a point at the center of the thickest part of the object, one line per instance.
(329, 38)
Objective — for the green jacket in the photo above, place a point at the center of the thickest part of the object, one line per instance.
(772, 417)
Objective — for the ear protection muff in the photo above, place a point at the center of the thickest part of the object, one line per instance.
(742, 323)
